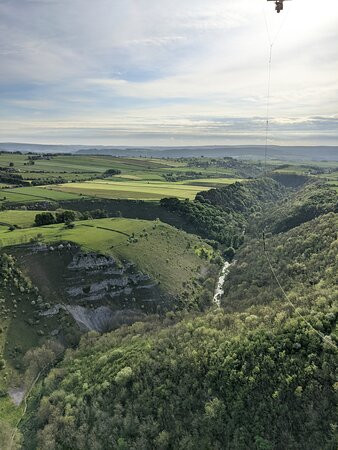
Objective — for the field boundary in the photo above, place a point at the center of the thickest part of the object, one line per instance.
(107, 229)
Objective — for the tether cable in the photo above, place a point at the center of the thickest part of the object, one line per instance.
(272, 41)
(326, 339)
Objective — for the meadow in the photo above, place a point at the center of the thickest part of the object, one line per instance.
(33, 194)
(24, 219)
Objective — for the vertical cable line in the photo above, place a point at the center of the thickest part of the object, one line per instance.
(326, 339)
(272, 41)
(267, 123)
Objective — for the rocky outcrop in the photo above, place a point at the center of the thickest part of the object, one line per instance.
(99, 319)
(91, 261)
(99, 277)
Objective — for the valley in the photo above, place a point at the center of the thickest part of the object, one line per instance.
(141, 258)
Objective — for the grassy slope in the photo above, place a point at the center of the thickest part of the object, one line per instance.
(23, 219)
(16, 337)
(34, 194)
(163, 253)
(168, 255)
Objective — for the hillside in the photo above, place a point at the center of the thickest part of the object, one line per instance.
(254, 374)
(59, 282)
(168, 225)
(223, 214)
(244, 198)
(305, 259)
(305, 204)
(150, 245)
(122, 308)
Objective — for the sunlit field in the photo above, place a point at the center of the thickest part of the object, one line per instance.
(131, 189)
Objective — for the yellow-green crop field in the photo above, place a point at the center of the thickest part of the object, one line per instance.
(211, 182)
(136, 190)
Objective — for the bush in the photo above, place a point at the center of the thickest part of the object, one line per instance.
(99, 214)
(70, 225)
(65, 216)
(42, 219)
(229, 253)
(110, 172)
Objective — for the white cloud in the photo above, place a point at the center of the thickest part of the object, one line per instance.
(155, 65)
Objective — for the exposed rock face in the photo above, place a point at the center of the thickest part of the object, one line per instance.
(100, 319)
(91, 261)
(98, 291)
(16, 395)
(103, 318)
(98, 277)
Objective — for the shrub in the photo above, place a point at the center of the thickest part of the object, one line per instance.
(42, 219)
(65, 216)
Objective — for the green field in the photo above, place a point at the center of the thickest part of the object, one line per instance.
(131, 189)
(61, 164)
(34, 194)
(211, 182)
(152, 245)
(21, 218)
(82, 167)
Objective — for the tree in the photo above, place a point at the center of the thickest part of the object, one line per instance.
(45, 218)
(99, 214)
(229, 253)
(65, 216)
(111, 172)
(2, 364)
(38, 358)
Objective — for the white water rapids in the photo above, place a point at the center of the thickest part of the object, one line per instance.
(219, 288)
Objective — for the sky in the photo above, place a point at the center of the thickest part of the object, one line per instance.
(168, 72)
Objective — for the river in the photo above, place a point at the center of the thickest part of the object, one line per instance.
(219, 288)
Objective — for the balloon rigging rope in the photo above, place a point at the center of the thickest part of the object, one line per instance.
(272, 41)
(268, 96)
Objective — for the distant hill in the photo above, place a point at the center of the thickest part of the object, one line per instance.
(288, 153)
(39, 148)
(246, 152)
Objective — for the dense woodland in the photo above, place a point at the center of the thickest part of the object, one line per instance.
(222, 214)
(301, 206)
(243, 197)
(209, 221)
(258, 373)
